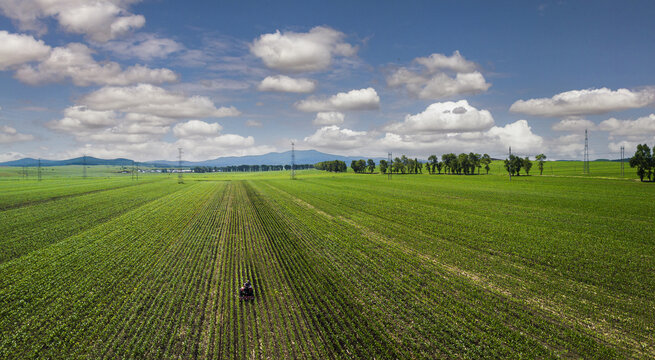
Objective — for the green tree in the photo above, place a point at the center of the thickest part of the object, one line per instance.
(432, 162)
(383, 166)
(474, 162)
(527, 165)
(486, 160)
(419, 166)
(398, 165)
(439, 165)
(513, 165)
(371, 165)
(463, 163)
(643, 161)
(541, 158)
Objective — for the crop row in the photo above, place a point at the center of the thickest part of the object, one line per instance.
(445, 311)
(585, 278)
(17, 193)
(31, 227)
(90, 295)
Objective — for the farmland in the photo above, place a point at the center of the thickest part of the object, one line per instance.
(343, 265)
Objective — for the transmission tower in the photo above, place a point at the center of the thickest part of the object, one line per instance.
(622, 157)
(132, 170)
(585, 169)
(179, 166)
(38, 172)
(389, 168)
(137, 171)
(84, 166)
(293, 161)
(510, 164)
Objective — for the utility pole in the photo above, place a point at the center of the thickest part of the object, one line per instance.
(24, 174)
(137, 171)
(510, 163)
(389, 167)
(132, 170)
(179, 165)
(293, 161)
(84, 166)
(586, 154)
(38, 172)
(622, 157)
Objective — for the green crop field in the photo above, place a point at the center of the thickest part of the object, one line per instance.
(343, 265)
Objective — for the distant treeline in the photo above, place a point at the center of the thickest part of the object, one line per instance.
(249, 168)
(463, 163)
(331, 166)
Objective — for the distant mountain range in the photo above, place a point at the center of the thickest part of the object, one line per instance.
(274, 158)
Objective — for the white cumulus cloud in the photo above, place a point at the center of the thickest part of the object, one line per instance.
(143, 46)
(329, 118)
(296, 52)
(75, 62)
(196, 128)
(444, 117)
(362, 99)
(16, 49)
(585, 102)
(574, 124)
(282, 83)
(334, 137)
(639, 127)
(441, 77)
(99, 20)
(154, 100)
(10, 135)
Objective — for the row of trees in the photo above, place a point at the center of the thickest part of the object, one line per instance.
(249, 168)
(332, 166)
(463, 163)
(644, 161)
(361, 166)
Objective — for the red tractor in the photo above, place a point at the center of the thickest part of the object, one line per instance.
(247, 292)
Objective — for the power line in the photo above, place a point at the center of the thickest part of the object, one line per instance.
(622, 157)
(84, 166)
(510, 163)
(180, 180)
(389, 168)
(293, 161)
(585, 169)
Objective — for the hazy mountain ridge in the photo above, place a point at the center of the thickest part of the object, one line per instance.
(273, 158)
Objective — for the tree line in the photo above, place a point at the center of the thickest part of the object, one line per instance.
(249, 168)
(644, 161)
(331, 166)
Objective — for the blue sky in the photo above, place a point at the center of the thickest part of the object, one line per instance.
(138, 79)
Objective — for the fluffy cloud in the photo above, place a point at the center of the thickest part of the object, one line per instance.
(640, 127)
(143, 46)
(329, 118)
(566, 147)
(363, 99)
(282, 83)
(585, 102)
(254, 123)
(75, 62)
(442, 76)
(444, 117)
(196, 128)
(153, 100)
(574, 124)
(297, 52)
(333, 137)
(100, 20)
(16, 49)
(10, 135)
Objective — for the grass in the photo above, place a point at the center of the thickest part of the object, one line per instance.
(344, 265)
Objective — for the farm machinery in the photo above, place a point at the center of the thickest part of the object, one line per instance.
(247, 292)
